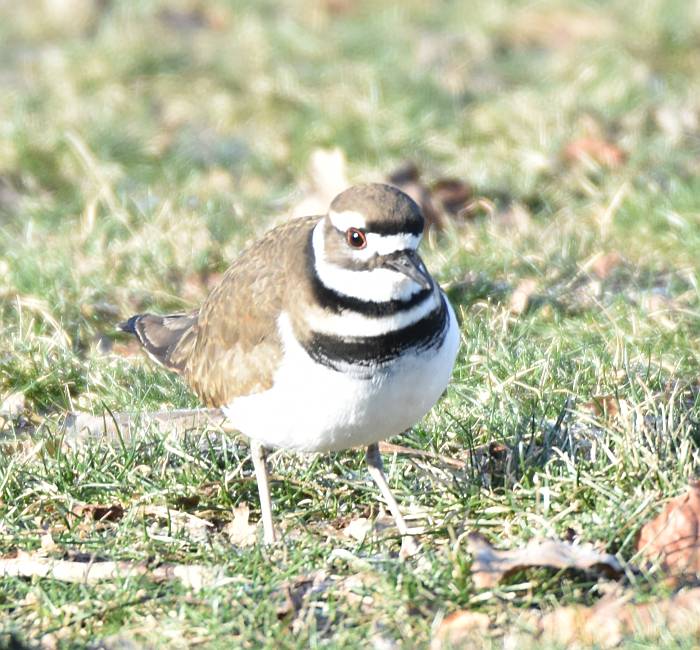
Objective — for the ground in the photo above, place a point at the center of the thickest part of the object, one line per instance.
(143, 144)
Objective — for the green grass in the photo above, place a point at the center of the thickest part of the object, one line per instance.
(143, 144)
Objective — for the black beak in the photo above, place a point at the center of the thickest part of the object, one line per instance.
(410, 264)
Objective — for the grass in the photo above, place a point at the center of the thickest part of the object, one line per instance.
(143, 144)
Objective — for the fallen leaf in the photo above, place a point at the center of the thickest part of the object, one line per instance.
(602, 406)
(677, 121)
(659, 307)
(13, 405)
(673, 537)
(490, 566)
(240, 532)
(603, 265)
(521, 297)
(296, 592)
(410, 547)
(515, 217)
(596, 149)
(407, 179)
(327, 177)
(98, 511)
(612, 618)
(452, 194)
(358, 528)
(197, 528)
(557, 27)
(48, 545)
(460, 628)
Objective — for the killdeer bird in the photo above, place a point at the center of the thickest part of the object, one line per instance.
(327, 333)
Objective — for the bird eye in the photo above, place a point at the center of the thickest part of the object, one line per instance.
(355, 238)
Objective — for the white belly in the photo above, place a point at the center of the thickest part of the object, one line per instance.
(314, 408)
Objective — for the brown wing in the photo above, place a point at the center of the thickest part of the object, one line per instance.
(234, 348)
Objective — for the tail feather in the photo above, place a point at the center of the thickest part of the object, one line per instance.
(168, 340)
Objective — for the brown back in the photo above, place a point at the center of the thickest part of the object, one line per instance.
(233, 349)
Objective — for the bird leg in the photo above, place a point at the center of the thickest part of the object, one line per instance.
(376, 471)
(258, 454)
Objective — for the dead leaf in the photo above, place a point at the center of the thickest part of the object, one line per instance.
(239, 531)
(12, 406)
(407, 179)
(659, 307)
(490, 566)
(557, 28)
(98, 512)
(521, 296)
(612, 618)
(327, 177)
(596, 149)
(297, 591)
(48, 545)
(178, 521)
(603, 265)
(358, 528)
(460, 628)
(602, 406)
(673, 537)
(515, 217)
(677, 122)
(452, 194)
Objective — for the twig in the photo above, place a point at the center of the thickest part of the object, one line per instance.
(390, 448)
(30, 565)
(80, 428)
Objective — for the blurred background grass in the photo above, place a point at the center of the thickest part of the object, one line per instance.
(142, 144)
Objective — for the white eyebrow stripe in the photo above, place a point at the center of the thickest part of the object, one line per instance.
(386, 244)
(347, 219)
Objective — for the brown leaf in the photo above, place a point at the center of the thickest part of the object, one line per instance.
(178, 521)
(98, 512)
(515, 217)
(130, 348)
(297, 591)
(603, 265)
(358, 528)
(12, 405)
(48, 545)
(327, 177)
(407, 179)
(673, 537)
(460, 628)
(239, 531)
(602, 406)
(594, 148)
(452, 194)
(659, 308)
(520, 298)
(490, 566)
(550, 27)
(612, 618)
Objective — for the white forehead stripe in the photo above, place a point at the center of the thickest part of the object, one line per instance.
(347, 219)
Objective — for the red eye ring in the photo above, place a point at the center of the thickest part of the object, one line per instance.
(356, 238)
